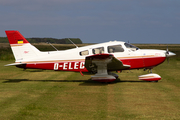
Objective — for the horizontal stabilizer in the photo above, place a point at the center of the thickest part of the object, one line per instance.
(14, 64)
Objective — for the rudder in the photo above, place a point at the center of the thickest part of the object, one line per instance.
(15, 37)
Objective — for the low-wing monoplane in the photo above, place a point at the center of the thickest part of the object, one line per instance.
(99, 59)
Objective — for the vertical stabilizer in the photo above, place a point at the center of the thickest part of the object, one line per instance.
(22, 49)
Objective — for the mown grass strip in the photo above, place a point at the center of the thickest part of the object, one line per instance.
(36, 94)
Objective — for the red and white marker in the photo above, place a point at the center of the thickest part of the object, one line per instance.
(150, 77)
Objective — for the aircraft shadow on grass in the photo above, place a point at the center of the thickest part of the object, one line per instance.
(88, 82)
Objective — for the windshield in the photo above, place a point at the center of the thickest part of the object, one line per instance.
(132, 47)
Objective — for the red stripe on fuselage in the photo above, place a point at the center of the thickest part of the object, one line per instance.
(144, 62)
(153, 61)
(61, 66)
(136, 63)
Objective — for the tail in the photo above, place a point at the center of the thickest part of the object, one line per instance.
(21, 48)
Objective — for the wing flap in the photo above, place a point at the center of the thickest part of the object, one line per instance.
(116, 64)
(113, 64)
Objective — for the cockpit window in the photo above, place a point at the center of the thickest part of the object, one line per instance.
(115, 48)
(98, 50)
(83, 53)
(132, 47)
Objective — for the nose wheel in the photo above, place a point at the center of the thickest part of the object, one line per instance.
(149, 70)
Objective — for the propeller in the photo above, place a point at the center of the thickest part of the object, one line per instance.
(167, 54)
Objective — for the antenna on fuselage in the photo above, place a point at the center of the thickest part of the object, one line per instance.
(73, 43)
(52, 46)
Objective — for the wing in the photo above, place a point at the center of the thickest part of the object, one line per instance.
(108, 61)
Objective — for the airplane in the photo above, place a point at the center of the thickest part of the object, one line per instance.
(99, 59)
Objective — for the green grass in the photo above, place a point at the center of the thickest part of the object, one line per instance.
(43, 94)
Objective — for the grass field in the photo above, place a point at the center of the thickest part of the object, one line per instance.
(44, 94)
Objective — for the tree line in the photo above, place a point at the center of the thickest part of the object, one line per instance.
(47, 40)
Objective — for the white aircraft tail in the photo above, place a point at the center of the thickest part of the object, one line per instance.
(21, 48)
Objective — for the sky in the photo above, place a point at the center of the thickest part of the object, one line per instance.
(94, 21)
